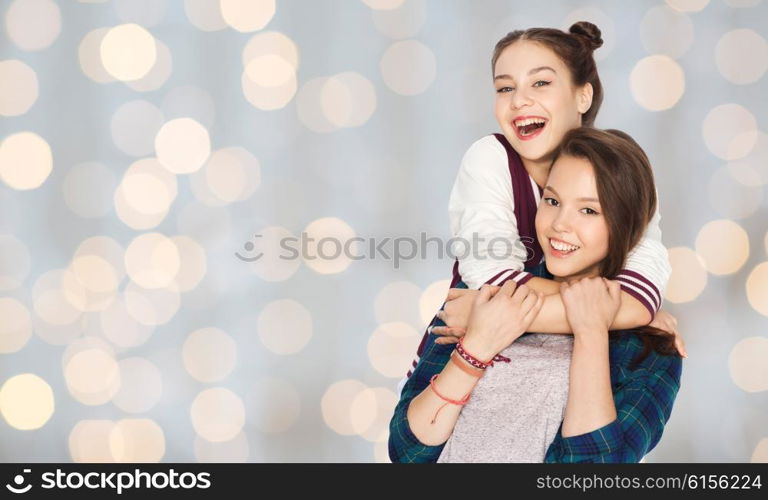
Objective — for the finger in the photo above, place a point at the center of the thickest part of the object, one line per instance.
(484, 295)
(441, 315)
(438, 330)
(455, 293)
(681, 348)
(529, 301)
(521, 293)
(494, 290)
(446, 340)
(531, 315)
(447, 307)
(449, 331)
(680, 344)
(508, 288)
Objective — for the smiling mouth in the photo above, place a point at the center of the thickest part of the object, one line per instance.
(561, 249)
(528, 128)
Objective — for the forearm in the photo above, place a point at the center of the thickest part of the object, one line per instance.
(590, 403)
(453, 383)
(552, 318)
(543, 285)
(632, 314)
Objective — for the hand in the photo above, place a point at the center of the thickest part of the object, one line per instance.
(497, 322)
(455, 314)
(591, 304)
(665, 321)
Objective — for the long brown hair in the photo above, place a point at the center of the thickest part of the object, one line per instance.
(574, 48)
(627, 194)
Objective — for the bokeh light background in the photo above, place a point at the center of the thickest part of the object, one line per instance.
(145, 142)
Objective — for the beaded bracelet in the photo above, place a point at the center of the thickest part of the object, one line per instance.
(476, 362)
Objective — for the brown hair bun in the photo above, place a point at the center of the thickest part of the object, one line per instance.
(588, 32)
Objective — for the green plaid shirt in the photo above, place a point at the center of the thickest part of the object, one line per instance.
(643, 395)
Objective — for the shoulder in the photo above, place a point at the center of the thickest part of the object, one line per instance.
(486, 150)
(485, 163)
(627, 346)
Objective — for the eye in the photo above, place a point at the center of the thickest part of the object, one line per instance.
(505, 89)
(551, 202)
(541, 83)
(589, 211)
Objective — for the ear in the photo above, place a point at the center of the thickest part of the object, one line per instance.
(585, 98)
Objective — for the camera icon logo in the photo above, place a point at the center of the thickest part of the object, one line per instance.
(18, 480)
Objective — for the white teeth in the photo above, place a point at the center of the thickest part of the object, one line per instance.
(528, 121)
(563, 247)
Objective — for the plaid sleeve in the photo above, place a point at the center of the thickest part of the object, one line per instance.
(404, 446)
(643, 407)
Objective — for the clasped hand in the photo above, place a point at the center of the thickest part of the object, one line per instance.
(591, 304)
(498, 317)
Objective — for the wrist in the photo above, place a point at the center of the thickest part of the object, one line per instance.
(591, 336)
(465, 366)
(590, 328)
(477, 348)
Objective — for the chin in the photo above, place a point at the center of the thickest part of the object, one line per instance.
(563, 269)
(536, 151)
(535, 154)
(556, 269)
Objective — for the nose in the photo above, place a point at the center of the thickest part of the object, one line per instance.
(520, 98)
(562, 221)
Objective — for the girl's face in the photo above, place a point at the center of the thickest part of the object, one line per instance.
(536, 103)
(570, 224)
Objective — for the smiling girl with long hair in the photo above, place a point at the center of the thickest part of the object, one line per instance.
(504, 395)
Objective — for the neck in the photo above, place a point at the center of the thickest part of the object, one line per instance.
(538, 169)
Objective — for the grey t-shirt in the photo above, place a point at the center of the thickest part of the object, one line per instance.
(516, 408)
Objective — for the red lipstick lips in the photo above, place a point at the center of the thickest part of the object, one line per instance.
(528, 127)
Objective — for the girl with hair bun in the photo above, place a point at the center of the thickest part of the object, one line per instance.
(547, 85)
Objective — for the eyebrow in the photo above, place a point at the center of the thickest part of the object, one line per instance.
(531, 72)
(594, 200)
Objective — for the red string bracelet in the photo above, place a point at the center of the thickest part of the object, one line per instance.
(460, 402)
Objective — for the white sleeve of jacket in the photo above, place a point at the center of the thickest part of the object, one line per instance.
(647, 270)
(481, 210)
